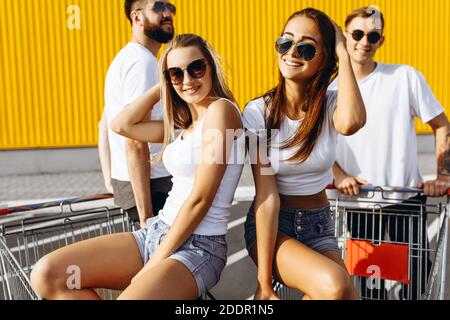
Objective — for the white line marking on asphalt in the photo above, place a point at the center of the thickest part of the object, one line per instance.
(245, 193)
(236, 223)
(238, 256)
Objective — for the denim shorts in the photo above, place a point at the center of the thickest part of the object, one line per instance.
(313, 227)
(204, 256)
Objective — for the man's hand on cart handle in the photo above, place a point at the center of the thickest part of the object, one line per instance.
(349, 185)
(436, 188)
(370, 188)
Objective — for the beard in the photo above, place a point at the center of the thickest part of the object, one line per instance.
(157, 33)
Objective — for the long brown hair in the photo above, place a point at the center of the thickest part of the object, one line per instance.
(177, 114)
(315, 104)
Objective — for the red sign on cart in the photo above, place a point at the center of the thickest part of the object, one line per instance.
(384, 261)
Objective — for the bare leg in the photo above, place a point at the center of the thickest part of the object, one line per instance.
(169, 280)
(318, 276)
(104, 262)
(336, 257)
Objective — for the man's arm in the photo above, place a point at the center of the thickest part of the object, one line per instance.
(140, 78)
(132, 122)
(104, 152)
(444, 159)
(439, 187)
(442, 136)
(138, 164)
(347, 184)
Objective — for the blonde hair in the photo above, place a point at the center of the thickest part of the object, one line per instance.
(177, 114)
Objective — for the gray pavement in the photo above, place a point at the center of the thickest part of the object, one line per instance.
(47, 186)
(26, 187)
(60, 185)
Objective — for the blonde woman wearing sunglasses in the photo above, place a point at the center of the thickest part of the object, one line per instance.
(181, 253)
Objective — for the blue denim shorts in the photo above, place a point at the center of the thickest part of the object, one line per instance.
(204, 256)
(313, 227)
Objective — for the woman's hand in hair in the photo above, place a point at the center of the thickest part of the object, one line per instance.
(350, 114)
(341, 46)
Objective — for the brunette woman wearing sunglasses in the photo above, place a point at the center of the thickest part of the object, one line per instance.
(290, 215)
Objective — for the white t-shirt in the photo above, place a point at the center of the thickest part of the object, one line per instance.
(293, 178)
(133, 71)
(384, 152)
(181, 158)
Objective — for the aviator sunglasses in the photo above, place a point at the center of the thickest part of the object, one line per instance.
(160, 6)
(305, 51)
(373, 37)
(196, 69)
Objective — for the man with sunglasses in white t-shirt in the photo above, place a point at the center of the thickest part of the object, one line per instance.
(140, 186)
(384, 152)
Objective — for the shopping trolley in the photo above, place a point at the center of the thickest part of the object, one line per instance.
(393, 249)
(28, 233)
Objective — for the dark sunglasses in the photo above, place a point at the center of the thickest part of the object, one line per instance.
(196, 69)
(373, 37)
(160, 6)
(305, 51)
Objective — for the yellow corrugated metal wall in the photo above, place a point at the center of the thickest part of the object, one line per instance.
(52, 76)
(52, 72)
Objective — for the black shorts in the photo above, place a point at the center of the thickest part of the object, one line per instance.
(124, 196)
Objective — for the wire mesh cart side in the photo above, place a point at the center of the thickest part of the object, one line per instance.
(29, 233)
(394, 249)
(14, 283)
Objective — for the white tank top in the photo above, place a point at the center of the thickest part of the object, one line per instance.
(180, 158)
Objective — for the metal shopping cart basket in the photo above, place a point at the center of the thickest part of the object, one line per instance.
(393, 249)
(28, 233)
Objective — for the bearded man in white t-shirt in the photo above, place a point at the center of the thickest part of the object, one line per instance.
(384, 152)
(140, 186)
